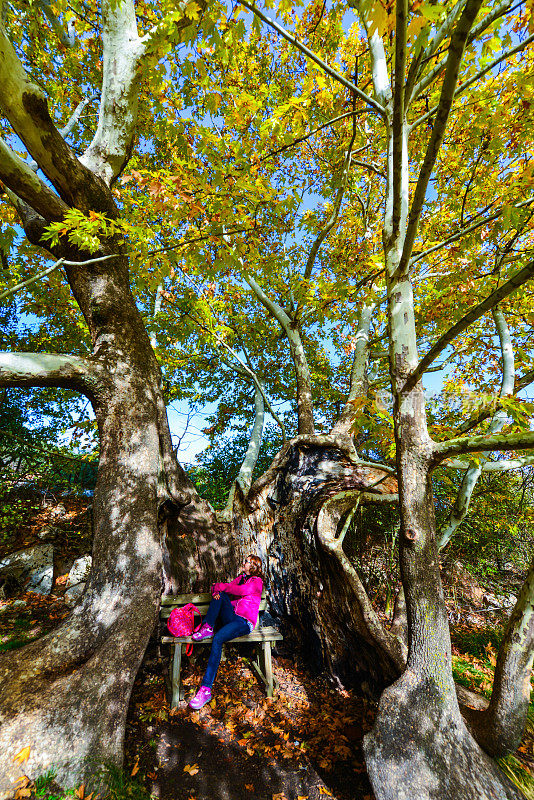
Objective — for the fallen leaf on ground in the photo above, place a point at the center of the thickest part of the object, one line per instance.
(135, 768)
(192, 769)
(80, 791)
(23, 755)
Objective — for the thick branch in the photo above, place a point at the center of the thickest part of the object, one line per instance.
(505, 465)
(358, 376)
(23, 182)
(68, 37)
(456, 51)
(300, 362)
(513, 283)
(25, 106)
(480, 444)
(398, 115)
(500, 727)
(328, 522)
(50, 369)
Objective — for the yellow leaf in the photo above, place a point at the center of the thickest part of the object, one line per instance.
(192, 769)
(135, 768)
(22, 793)
(23, 755)
(192, 11)
(80, 791)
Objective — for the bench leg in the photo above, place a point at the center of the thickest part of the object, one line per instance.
(268, 667)
(176, 666)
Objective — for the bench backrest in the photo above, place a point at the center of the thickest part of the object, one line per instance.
(200, 600)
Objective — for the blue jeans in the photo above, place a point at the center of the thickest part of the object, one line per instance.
(232, 626)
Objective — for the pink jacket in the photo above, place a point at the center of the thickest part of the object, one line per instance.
(248, 596)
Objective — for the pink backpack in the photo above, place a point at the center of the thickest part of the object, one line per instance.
(181, 622)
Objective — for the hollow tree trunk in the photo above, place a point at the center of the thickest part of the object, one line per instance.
(310, 595)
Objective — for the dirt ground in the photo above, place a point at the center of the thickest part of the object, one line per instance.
(304, 743)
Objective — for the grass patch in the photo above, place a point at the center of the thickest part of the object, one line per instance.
(475, 641)
(515, 771)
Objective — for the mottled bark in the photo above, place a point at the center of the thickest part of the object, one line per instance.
(312, 598)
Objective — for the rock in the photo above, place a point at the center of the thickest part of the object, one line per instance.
(500, 601)
(59, 510)
(47, 531)
(73, 594)
(79, 571)
(34, 567)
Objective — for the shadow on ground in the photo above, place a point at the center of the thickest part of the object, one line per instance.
(306, 743)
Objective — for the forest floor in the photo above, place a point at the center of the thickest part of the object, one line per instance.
(304, 744)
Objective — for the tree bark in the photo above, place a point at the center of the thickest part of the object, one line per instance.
(312, 598)
(67, 694)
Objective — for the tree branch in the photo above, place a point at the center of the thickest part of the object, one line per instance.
(483, 25)
(23, 182)
(398, 118)
(475, 313)
(67, 38)
(25, 106)
(432, 47)
(456, 51)
(315, 58)
(470, 479)
(335, 211)
(328, 521)
(505, 465)
(479, 444)
(358, 375)
(47, 271)
(50, 369)
(466, 84)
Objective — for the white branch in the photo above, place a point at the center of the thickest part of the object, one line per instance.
(47, 271)
(68, 37)
(513, 283)
(50, 369)
(505, 465)
(358, 376)
(465, 492)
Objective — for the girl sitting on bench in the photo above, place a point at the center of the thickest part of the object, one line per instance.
(238, 616)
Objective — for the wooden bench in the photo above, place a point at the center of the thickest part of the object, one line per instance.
(261, 637)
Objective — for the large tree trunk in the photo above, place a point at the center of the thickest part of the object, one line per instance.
(311, 598)
(66, 695)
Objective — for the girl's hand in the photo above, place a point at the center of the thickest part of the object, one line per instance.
(216, 596)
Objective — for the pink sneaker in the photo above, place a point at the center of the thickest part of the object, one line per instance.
(202, 697)
(203, 633)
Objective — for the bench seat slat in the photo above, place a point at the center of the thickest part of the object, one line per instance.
(176, 600)
(166, 611)
(259, 635)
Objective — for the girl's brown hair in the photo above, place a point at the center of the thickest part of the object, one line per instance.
(256, 568)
